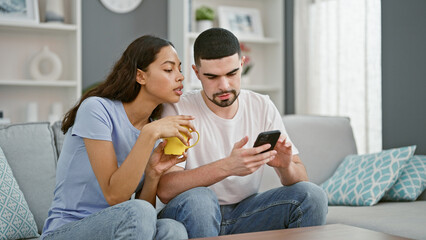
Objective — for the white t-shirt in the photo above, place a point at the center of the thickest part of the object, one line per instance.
(256, 113)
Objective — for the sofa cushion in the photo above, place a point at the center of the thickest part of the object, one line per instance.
(31, 153)
(16, 219)
(411, 183)
(398, 218)
(362, 180)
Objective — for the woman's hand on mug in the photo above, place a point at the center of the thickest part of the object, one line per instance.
(159, 162)
(171, 126)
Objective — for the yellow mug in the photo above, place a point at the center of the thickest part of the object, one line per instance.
(175, 146)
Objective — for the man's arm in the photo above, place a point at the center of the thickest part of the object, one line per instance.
(289, 167)
(178, 180)
(295, 173)
(241, 162)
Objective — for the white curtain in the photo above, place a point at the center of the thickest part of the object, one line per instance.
(338, 64)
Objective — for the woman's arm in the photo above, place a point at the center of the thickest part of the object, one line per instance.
(158, 164)
(149, 189)
(119, 183)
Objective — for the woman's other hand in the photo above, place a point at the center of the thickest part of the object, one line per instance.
(159, 162)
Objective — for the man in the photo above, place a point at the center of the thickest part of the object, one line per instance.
(216, 193)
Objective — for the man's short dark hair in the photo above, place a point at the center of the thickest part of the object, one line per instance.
(215, 43)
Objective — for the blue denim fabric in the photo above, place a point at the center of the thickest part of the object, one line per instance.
(134, 219)
(170, 229)
(299, 205)
(198, 209)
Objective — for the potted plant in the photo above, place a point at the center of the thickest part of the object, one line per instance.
(204, 16)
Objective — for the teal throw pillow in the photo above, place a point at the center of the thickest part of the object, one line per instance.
(16, 220)
(362, 180)
(411, 183)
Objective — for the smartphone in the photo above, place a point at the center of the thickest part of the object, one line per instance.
(270, 137)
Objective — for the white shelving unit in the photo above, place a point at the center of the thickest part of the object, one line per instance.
(267, 54)
(19, 43)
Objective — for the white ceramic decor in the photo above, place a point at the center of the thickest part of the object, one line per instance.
(32, 112)
(121, 6)
(46, 65)
(56, 112)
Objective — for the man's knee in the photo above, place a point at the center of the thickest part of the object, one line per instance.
(136, 218)
(139, 210)
(197, 203)
(198, 209)
(170, 229)
(199, 198)
(315, 201)
(315, 194)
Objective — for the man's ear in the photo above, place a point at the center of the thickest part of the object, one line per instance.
(140, 77)
(196, 71)
(243, 60)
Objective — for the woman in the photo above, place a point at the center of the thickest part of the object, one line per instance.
(108, 146)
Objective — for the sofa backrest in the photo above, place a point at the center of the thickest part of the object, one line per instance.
(58, 135)
(323, 142)
(31, 153)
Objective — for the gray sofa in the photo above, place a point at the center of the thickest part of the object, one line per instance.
(323, 142)
(32, 151)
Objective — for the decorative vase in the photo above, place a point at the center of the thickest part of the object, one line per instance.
(55, 11)
(56, 112)
(203, 25)
(32, 112)
(46, 65)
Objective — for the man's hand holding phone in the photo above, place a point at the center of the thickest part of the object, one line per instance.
(284, 153)
(280, 144)
(270, 137)
(245, 161)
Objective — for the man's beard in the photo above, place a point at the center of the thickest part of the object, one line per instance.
(224, 103)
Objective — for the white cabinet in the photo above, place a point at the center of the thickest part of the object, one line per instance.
(266, 53)
(19, 43)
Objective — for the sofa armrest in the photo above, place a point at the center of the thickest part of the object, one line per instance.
(323, 143)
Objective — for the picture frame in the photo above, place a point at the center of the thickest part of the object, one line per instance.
(243, 22)
(19, 11)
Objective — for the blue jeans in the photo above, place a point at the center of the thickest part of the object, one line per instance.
(299, 205)
(134, 219)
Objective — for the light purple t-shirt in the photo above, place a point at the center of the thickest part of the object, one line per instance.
(77, 191)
